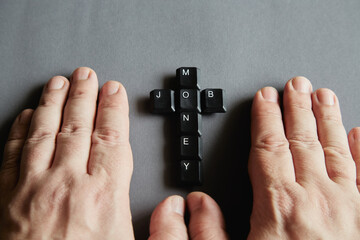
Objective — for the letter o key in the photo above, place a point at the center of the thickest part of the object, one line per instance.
(185, 94)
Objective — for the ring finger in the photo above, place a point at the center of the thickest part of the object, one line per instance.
(39, 147)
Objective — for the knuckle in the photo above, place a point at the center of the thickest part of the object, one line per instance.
(49, 97)
(330, 117)
(341, 175)
(304, 107)
(13, 148)
(16, 136)
(267, 113)
(41, 134)
(336, 151)
(304, 139)
(48, 100)
(108, 136)
(78, 93)
(272, 143)
(10, 163)
(75, 127)
(109, 103)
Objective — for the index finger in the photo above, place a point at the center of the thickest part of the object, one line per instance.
(110, 148)
(270, 159)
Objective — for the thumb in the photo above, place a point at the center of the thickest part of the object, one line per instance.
(167, 220)
(206, 219)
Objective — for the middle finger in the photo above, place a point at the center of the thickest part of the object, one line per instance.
(301, 131)
(74, 140)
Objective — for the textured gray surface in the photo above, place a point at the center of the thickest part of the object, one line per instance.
(240, 46)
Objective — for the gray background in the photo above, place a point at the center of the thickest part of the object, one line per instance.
(239, 46)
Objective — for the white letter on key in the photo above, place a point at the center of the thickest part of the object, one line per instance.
(185, 94)
(185, 72)
(186, 141)
(159, 95)
(186, 165)
(186, 117)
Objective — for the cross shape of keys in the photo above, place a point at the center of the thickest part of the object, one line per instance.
(188, 103)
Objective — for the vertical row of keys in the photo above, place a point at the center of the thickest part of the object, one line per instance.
(188, 104)
(189, 119)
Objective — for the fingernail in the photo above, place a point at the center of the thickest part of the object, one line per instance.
(325, 96)
(178, 205)
(56, 83)
(25, 117)
(301, 84)
(355, 135)
(111, 88)
(82, 73)
(270, 94)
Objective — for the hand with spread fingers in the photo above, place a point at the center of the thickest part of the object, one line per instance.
(67, 168)
(304, 170)
(67, 165)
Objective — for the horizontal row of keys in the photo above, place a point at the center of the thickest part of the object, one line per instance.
(163, 100)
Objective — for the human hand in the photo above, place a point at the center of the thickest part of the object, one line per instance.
(305, 177)
(73, 179)
(304, 170)
(206, 220)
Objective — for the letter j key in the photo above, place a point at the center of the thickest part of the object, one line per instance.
(162, 101)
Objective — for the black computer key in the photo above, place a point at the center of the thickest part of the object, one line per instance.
(190, 147)
(190, 123)
(162, 101)
(189, 100)
(212, 101)
(191, 172)
(188, 77)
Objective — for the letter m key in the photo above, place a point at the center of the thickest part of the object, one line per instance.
(185, 72)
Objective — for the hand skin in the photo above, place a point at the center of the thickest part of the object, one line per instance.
(206, 220)
(67, 168)
(305, 171)
(67, 165)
